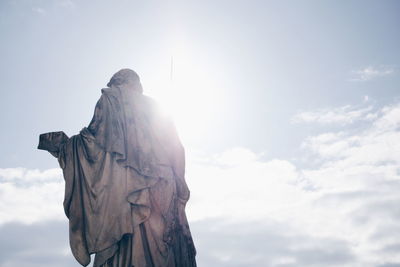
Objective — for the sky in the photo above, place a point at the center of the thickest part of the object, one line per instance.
(289, 112)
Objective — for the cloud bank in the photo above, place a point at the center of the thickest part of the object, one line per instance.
(249, 211)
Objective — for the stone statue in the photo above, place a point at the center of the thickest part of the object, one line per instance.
(125, 189)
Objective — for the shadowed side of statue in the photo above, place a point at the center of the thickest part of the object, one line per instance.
(125, 189)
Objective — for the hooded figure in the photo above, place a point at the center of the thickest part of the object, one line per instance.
(125, 189)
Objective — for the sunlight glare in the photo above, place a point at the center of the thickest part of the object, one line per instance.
(193, 95)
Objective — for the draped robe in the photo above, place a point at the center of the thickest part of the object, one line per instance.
(125, 189)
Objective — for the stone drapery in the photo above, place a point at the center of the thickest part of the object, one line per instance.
(125, 189)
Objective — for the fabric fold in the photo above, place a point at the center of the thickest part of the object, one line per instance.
(125, 190)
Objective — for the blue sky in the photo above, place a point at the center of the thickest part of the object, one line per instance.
(289, 112)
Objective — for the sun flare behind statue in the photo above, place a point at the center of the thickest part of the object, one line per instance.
(192, 97)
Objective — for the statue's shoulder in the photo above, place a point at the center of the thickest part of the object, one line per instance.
(152, 105)
(108, 92)
(157, 110)
(149, 101)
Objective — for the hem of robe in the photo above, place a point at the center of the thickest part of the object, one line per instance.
(102, 256)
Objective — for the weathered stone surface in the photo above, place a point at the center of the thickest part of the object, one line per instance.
(125, 189)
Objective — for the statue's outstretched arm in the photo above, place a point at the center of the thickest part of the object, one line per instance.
(52, 142)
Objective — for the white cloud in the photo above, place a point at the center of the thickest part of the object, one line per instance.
(341, 212)
(371, 72)
(376, 143)
(341, 115)
(351, 196)
(360, 176)
(30, 196)
(241, 190)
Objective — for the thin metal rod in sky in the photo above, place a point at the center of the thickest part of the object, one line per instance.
(172, 70)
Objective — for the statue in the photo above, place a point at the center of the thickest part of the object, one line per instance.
(125, 189)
